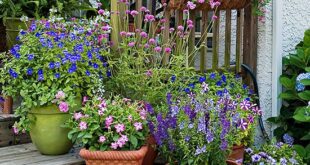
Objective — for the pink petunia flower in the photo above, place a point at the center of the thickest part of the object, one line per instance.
(102, 139)
(134, 12)
(114, 145)
(63, 107)
(83, 125)
(77, 116)
(119, 128)
(60, 95)
(108, 121)
(138, 125)
(15, 130)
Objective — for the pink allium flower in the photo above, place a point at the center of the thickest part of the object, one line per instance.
(149, 73)
(123, 33)
(106, 28)
(201, 1)
(143, 9)
(108, 121)
(146, 45)
(77, 116)
(162, 28)
(189, 22)
(114, 145)
(143, 34)
(191, 5)
(128, 34)
(137, 30)
(180, 28)
(102, 139)
(190, 26)
(185, 11)
(119, 128)
(131, 44)
(130, 117)
(99, 4)
(63, 107)
(138, 125)
(162, 20)
(167, 50)
(157, 49)
(214, 3)
(60, 95)
(152, 41)
(171, 30)
(134, 12)
(214, 17)
(149, 18)
(100, 11)
(83, 125)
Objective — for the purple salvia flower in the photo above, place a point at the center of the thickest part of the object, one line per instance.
(223, 145)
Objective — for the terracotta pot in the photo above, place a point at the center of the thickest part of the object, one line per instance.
(151, 152)
(174, 4)
(7, 105)
(114, 157)
(236, 157)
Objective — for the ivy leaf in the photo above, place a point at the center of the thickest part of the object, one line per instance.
(287, 83)
(305, 95)
(133, 141)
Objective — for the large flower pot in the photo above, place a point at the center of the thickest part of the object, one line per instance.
(151, 152)
(47, 131)
(13, 26)
(114, 157)
(236, 157)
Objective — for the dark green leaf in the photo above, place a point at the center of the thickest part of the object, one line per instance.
(306, 137)
(305, 95)
(133, 141)
(300, 150)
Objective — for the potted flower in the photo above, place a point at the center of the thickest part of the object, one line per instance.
(112, 131)
(54, 55)
(202, 122)
(274, 153)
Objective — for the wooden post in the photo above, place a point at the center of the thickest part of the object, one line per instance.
(215, 42)
(227, 39)
(167, 17)
(250, 38)
(238, 39)
(114, 24)
(191, 40)
(204, 35)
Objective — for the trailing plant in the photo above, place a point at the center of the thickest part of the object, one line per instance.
(55, 55)
(201, 122)
(294, 116)
(274, 153)
(110, 124)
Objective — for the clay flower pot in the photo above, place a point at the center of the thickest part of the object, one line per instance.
(151, 152)
(114, 157)
(236, 157)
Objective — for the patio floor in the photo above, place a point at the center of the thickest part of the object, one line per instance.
(27, 154)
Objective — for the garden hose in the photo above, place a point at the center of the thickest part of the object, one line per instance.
(249, 70)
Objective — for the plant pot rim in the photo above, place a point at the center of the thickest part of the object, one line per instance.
(114, 154)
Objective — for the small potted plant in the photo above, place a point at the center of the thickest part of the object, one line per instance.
(202, 122)
(112, 131)
(54, 55)
(274, 153)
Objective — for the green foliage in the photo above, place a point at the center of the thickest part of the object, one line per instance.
(102, 117)
(294, 116)
(54, 56)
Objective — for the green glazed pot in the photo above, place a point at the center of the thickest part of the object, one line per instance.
(13, 26)
(47, 131)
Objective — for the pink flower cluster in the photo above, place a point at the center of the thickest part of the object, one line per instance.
(108, 121)
(120, 142)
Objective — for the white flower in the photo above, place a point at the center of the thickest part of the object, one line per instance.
(1, 2)
(94, 3)
(53, 10)
(24, 18)
(59, 19)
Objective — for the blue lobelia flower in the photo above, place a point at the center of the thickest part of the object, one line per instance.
(109, 74)
(300, 86)
(57, 75)
(13, 73)
(33, 27)
(212, 76)
(173, 78)
(202, 79)
(87, 72)
(223, 78)
(30, 57)
(40, 75)
(72, 68)
(57, 64)
(89, 55)
(219, 83)
(255, 158)
(95, 65)
(187, 90)
(192, 85)
(51, 65)
(29, 71)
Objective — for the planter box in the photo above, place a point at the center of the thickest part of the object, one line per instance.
(7, 137)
